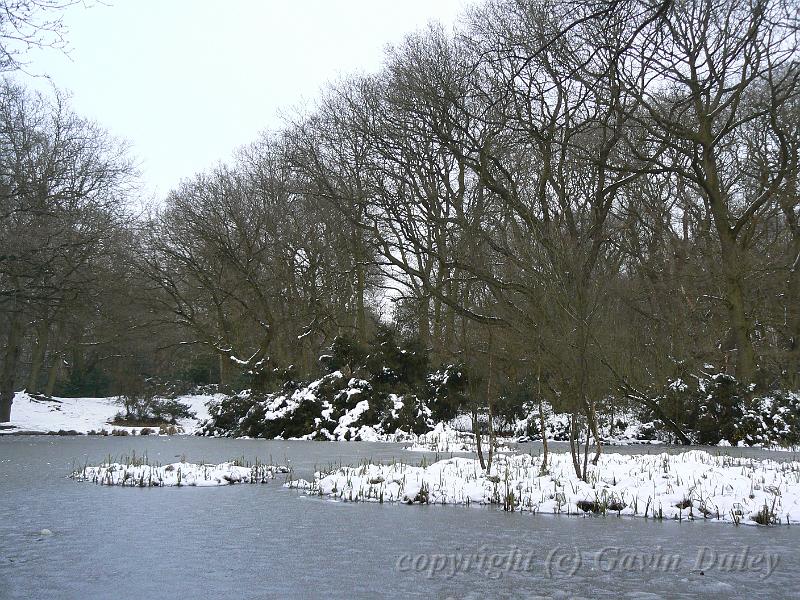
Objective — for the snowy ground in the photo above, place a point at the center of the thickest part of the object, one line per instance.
(83, 415)
(690, 485)
(135, 474)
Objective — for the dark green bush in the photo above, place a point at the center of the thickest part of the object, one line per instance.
(712, 407)
(396, 366)
(715, 409)
(446, 392)
(145, 409)
(225, 414)
(346, 354)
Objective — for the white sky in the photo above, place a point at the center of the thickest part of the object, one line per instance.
(188, 81)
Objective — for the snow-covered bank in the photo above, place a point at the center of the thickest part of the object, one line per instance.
(84, 415)
(690, 485)
(36, 414)
(136, 474)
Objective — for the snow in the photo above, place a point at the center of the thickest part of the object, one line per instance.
(279, 407)
(176, 474)
(198, 404)
(351, 416)
(83, 415)
(77, 414)
(444, 438)
(627, 427)
(691, 485)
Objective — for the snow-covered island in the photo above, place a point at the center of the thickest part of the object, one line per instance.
(687, 486)
(133, 473)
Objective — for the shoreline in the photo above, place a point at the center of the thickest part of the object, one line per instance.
(90, 416)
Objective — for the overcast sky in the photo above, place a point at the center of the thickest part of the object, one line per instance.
(188, 81)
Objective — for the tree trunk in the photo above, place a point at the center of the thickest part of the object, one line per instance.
(476, 429)
(489, 406)
(77, 366)
(657, 411)
(585, 468)
(361, 311)
(734, 299)
(52, 374)
(583, 366)
(449, 318)
(595, 431)
(37, 356)
(438, 329)
(793, 317)
(423, 321)
(732, 265)
(225, 371)
(55, 365)
(543, 427)
(574, 446)
(9, 370)
(788, 202)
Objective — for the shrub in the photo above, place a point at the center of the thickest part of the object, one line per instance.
(167, 410)
(226, 413)
(408, 413)
(716, 409)
(396, 366)
(380, 390)
(346, 354)
(772, 419)
(719, 407)
(144, 409)
(446, 392)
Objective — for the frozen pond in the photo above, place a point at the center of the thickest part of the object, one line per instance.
(264, 541)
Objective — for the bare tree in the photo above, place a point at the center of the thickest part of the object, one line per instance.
(696, 97)
(248, 266)
(27, 24)
(62, 185)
